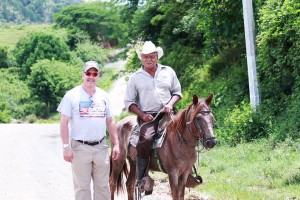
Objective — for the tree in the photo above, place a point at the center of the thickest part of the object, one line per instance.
(278, 44)
(88, 51)
(100, 21)
(39, 46)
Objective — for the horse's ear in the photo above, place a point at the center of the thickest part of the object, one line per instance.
(209, 99)
(195, 99)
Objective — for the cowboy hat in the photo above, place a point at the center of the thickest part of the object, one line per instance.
(149, 47)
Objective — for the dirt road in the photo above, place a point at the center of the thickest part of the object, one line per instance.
(32, 167)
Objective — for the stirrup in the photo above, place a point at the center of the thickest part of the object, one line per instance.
(148, 184)
(140, 185)
(193, 181)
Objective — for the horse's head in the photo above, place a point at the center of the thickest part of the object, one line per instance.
(202, 121)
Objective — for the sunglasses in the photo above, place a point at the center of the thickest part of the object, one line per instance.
(91, 74)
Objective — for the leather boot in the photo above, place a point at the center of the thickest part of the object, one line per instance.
(141, 167)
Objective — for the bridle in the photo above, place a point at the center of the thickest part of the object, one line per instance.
(198, 128)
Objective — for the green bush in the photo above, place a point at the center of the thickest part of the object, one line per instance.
(278, 47)
(49, 81)
(287, 125)
(39, 46)
(88, 51)
(35, 107)
(31, 118)
(133, 62)
(236, 125)
(5, 117)
(4, 57)
(14, 93)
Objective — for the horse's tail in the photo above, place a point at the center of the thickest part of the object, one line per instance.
(124, 127)
(123, 172)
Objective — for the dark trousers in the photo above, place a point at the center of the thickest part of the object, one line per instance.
(147, 134)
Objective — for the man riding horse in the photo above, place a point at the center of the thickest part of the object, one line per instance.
(152, 88)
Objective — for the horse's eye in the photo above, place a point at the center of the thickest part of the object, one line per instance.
(205, 112)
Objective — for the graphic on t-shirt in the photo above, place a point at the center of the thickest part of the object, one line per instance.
(92, 109)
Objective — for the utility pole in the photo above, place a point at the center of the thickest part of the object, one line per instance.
(251, 56)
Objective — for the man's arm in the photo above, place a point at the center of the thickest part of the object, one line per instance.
(112, 130)
(64, 133)
(169, 106)
(134, 109)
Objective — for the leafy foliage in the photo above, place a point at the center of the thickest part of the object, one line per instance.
(222, 24)
(39, 46)
(14, 94)
(4, 57)
(88, 51)
(4, 114)
(204, 42)
(240, 125)
(50, 80)
(31, 11)
(279, 51)
(100, 21)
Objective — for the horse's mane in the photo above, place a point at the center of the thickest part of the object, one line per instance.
(179, 121)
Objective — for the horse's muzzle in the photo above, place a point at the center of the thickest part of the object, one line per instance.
(210, 143)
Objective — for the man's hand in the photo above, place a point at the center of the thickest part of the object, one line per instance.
(167, 109)
(147, 117)
(68, 154)
(115, 152)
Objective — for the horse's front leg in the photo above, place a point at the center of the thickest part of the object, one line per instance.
(173, 180)
(181, 185)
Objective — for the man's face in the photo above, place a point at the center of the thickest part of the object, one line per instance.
(149, 60)
(90, 77)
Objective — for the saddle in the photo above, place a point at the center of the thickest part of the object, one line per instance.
(159, 136)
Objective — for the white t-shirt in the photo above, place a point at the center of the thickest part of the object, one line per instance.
(87, 113)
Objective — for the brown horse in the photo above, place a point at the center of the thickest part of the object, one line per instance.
(177, 153)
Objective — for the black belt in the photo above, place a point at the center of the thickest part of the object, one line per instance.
(91, 143)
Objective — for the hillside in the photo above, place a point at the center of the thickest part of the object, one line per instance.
(11, 34)
(31, 11)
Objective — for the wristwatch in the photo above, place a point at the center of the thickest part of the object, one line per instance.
(65, 146)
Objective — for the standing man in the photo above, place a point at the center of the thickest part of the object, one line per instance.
(152, 88)
(85, 115)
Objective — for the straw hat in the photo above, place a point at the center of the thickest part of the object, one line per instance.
(148, 48)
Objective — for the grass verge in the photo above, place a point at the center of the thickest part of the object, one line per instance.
(258, 170)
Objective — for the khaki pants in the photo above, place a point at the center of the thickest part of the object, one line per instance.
(90, 163)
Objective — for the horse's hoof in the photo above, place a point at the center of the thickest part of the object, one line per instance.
(148, 192)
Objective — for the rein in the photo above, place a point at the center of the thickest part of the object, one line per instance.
(181, 138)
